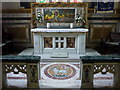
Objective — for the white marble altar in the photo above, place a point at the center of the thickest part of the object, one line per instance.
(61, 43)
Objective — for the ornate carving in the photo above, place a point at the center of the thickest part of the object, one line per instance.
(15, 68)
(80, 16)
(87, 76)
(87, 70)
(33, 73)
(104, 68)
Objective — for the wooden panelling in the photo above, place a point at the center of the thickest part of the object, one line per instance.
(99, 32)
(16, 11)
(17, 23)
(19, 33)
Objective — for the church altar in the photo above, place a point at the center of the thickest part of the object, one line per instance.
(59, 42)
(59, 30)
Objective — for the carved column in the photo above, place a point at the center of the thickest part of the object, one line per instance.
(87, 75)
(33, 75)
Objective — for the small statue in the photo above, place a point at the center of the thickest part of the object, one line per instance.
(39, 16)
(79, 18)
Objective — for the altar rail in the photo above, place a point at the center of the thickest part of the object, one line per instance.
(25, 64)
(90, 65)
(95, 64)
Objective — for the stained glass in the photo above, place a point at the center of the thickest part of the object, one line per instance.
(42, 1)
(54, 1)
(59, 0)
(76, 0)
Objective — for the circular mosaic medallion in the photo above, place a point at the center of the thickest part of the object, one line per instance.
(60, 71)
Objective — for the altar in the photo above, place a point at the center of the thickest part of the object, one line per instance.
(59, 30)
(59, 43)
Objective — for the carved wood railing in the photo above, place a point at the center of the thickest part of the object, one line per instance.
(25, 64)
(95, 64)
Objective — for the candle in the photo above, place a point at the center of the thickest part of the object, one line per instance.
(71, 25)
(48, 25)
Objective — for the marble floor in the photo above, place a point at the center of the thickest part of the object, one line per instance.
(60, 75)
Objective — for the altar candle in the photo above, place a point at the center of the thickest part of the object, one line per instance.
(71, 25)
(48, 25)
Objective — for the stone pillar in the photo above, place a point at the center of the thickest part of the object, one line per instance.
(87, 74)
(33, 75)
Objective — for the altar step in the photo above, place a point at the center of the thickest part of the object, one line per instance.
(27, 52)
(30, 51)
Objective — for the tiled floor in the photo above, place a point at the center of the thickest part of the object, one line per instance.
(68, 76)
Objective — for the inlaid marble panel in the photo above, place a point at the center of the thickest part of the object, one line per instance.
(48, 42)
(60, 71)
(70, 42)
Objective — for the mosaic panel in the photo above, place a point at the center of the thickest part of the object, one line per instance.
(60, 71)
(54, 1)
(42, 1)
(59, 15)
